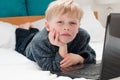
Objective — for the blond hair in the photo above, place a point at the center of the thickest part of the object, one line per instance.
(63, 7)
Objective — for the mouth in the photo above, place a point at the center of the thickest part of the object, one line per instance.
(66, 34)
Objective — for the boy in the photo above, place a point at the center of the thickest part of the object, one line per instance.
(61, 43)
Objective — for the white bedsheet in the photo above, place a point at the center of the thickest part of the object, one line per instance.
(98, 47)
(14, 66)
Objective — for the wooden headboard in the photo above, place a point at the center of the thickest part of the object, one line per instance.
(21, 19)
(24, 19)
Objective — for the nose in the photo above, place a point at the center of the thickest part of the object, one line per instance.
(67, 28)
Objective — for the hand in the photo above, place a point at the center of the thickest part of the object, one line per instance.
(54, 39)
(72, 68)
(71, 59)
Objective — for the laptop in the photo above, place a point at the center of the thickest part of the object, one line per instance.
(111, 52)
(110, 66)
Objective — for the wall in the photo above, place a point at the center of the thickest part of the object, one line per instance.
(84, 2)
(102, 9)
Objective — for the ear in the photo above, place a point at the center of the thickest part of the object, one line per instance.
(47, 25)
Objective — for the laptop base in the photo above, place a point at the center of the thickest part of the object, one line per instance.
(89, 71)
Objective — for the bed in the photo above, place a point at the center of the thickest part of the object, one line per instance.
(14, 66)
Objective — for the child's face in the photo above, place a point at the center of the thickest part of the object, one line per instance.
(66, 26)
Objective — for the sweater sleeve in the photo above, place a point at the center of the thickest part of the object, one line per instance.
(83, 48)
(44, 54)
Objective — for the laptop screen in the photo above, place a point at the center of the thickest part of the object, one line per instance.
(111, 52)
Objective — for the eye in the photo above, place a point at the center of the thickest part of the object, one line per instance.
(59, 22)
(72, 23)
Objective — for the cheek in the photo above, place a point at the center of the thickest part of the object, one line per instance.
(75, 30)
(57, 29)
(52, 27)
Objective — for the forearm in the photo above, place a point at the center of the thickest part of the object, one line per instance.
(63, 50)
(89, 56)
(49, 63)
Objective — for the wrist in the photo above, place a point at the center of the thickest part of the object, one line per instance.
(82, 60)
(63, 50)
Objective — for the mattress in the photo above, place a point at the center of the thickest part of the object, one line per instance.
(14, 66)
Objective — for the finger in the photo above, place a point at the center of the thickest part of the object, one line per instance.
(56, 37)
(51, 36)
(65, 70)
(68, 69)
(66, 64)
(64, 60)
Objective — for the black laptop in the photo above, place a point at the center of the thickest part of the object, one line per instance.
(110, 66)
(111, 52)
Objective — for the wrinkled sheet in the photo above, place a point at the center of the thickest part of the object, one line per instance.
(14, 66)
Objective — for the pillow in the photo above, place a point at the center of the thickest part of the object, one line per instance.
(37, 7)
(12, 8)
(7, 35)
(92, 25)
(39, 24)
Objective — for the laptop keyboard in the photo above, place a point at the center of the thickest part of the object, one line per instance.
(89, 71)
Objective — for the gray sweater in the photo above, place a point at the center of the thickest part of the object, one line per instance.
(46, 55)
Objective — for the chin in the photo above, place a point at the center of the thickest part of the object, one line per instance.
(65, 41)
